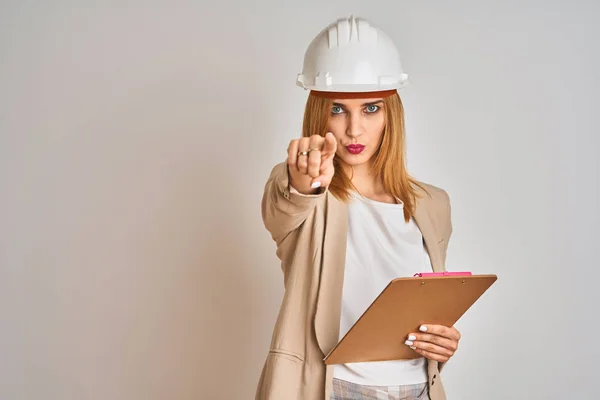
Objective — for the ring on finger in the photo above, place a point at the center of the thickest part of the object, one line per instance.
(307, 152)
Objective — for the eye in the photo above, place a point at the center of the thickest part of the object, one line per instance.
(337, 110)
(372, 108)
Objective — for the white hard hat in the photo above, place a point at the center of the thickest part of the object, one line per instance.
(350, 55)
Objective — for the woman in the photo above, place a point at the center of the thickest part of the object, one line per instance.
(347, 218)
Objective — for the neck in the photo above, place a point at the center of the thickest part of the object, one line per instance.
(364, 179)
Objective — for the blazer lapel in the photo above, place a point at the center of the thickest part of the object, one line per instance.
(329, 300)
(430, 238)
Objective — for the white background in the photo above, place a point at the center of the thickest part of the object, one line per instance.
(135, 140)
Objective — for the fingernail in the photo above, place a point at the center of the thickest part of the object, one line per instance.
(412, 337)
(413, 347)
(423, 328)
(316, 185)
(408, 343)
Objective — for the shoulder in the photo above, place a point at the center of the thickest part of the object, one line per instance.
(431, 193)
(436, 202)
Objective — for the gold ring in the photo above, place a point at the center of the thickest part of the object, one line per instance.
(307, 152)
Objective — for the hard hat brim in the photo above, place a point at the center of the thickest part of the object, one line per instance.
(353, 87)
(353, 95)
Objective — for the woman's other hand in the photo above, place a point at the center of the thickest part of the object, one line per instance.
(435, 342)
(310, 162)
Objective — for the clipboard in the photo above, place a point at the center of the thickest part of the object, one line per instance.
(403, 306)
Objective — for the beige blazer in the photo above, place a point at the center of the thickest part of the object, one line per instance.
(310, 233)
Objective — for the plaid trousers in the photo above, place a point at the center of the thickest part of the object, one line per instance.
(343, 390)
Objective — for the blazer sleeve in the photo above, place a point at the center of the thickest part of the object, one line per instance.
(284, 210)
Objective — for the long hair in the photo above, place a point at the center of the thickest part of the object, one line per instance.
(390, 160)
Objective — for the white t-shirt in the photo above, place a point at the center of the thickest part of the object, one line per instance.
(381, 247)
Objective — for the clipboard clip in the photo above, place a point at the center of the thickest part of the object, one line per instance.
(432, 274)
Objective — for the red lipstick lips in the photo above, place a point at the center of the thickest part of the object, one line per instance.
(355, 148)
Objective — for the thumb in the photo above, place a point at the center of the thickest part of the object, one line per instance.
(330, 146)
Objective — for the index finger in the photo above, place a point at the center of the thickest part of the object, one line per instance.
(440, 330)
(330, 145)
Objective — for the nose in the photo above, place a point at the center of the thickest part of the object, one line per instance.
(354, 128)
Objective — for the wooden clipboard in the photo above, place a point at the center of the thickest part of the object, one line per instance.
(403, 306)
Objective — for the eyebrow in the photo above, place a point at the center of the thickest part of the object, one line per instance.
(363, 105)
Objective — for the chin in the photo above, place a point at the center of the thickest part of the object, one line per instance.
(355, 160)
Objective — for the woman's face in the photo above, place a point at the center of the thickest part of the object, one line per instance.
(358, 127)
